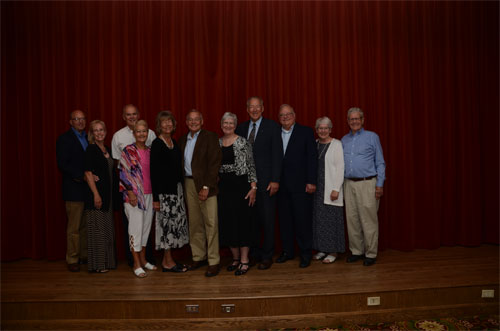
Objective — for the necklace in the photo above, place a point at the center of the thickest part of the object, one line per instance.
(325, 147)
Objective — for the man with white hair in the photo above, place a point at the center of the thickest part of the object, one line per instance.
(364, 174)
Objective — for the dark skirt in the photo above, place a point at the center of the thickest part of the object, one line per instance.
(235, 219)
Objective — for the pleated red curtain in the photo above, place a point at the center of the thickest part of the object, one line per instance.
(426, 74)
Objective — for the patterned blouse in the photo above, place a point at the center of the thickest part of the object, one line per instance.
(243, 160)
(131, 175)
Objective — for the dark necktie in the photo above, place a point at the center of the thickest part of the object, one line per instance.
(251, 138)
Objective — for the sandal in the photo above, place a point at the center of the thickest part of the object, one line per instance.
(329, 259)
(242, 271)
(149, 266)
(234, 265)
(139, 272)
(176, 268)
(319, 256)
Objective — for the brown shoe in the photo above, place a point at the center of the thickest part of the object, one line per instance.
(196, 264)
(74, 267)
(266, 264)
(213, 270)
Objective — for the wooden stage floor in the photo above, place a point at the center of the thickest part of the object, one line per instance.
(418, 284)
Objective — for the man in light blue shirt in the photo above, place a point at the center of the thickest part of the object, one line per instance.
(363, 187)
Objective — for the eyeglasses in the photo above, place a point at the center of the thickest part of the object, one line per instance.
(354, 119)
(78, 119)
(255, 107)
(286, 115)
(194, 120)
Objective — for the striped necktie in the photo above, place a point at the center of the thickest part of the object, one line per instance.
(251, 138)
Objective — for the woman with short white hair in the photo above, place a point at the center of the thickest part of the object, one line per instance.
(328, 213)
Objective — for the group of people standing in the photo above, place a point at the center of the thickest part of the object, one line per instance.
(231, 186)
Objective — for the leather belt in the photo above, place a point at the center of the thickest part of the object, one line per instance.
(360, 179)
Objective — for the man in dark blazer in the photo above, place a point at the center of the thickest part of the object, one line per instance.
(201, 162)
(264, 135)
(70, 153)
(297, 185)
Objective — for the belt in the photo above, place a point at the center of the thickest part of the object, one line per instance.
(190, 177)
(364, 178)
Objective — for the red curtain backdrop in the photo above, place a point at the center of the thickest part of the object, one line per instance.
(425, 73)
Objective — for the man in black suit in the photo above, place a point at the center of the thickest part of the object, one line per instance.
(70, 153)
(264, 135)
(298, 183)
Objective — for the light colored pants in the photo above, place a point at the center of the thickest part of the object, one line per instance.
(139, 223)
(76, 232)
(203, 225)
(361, 209)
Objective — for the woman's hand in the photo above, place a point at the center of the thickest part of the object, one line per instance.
(251, 197)
(156, 205)
(334, 195)
(97, 201)
(132, 198)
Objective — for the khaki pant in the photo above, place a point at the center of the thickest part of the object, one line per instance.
(203, 225)
(76, 232)
(361, 212)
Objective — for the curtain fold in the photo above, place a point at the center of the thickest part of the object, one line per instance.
(425, 73)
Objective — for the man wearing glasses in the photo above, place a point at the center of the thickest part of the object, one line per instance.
(70, 154)
(363, 187)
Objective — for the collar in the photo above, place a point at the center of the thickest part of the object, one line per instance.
(257, 122)
(358, 133)
(289, 131)
(83, 134)
(195, 135)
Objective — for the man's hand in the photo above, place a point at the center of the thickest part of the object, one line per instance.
(273, 187)
(203, 194)
(334, 195)
(379, 192)
(132, 198)
(310, 188)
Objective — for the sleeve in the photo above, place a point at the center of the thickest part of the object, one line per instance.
(337, 166)
(312, 157)
(252, 174)
(125, 177)
(379, 161)
(277, 153)
(214, 159)
(89, 159)
(64, 152)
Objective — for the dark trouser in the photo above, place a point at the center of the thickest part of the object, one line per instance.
(295, 215)
(264, 219)
(128, 254)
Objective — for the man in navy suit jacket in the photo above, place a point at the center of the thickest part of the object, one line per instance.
(298, 183)
(70, 153)
(264, 135)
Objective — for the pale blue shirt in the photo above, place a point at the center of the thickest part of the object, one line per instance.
(363, 156)
(250, 126)
(188, 152)
(285, 136)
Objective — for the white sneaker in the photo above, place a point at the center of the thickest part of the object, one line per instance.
(329, 259)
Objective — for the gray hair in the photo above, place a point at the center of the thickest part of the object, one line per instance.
(194, 111)
(287, 105)
(257, 98)
(324, 120)
(130, 106)
(355, 110)
(228, 115)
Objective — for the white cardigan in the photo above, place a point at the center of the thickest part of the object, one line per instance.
(334, 173)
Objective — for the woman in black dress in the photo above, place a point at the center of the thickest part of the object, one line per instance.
(168, 197)
(102, 182)
(237, 191)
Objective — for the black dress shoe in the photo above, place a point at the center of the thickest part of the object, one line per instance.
(304, 263)
(266, 264)
(354, 258)
(283, 258)
(368, 262)
(83, 261)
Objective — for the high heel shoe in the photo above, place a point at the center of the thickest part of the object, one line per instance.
(233, 266)
(240, 271)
